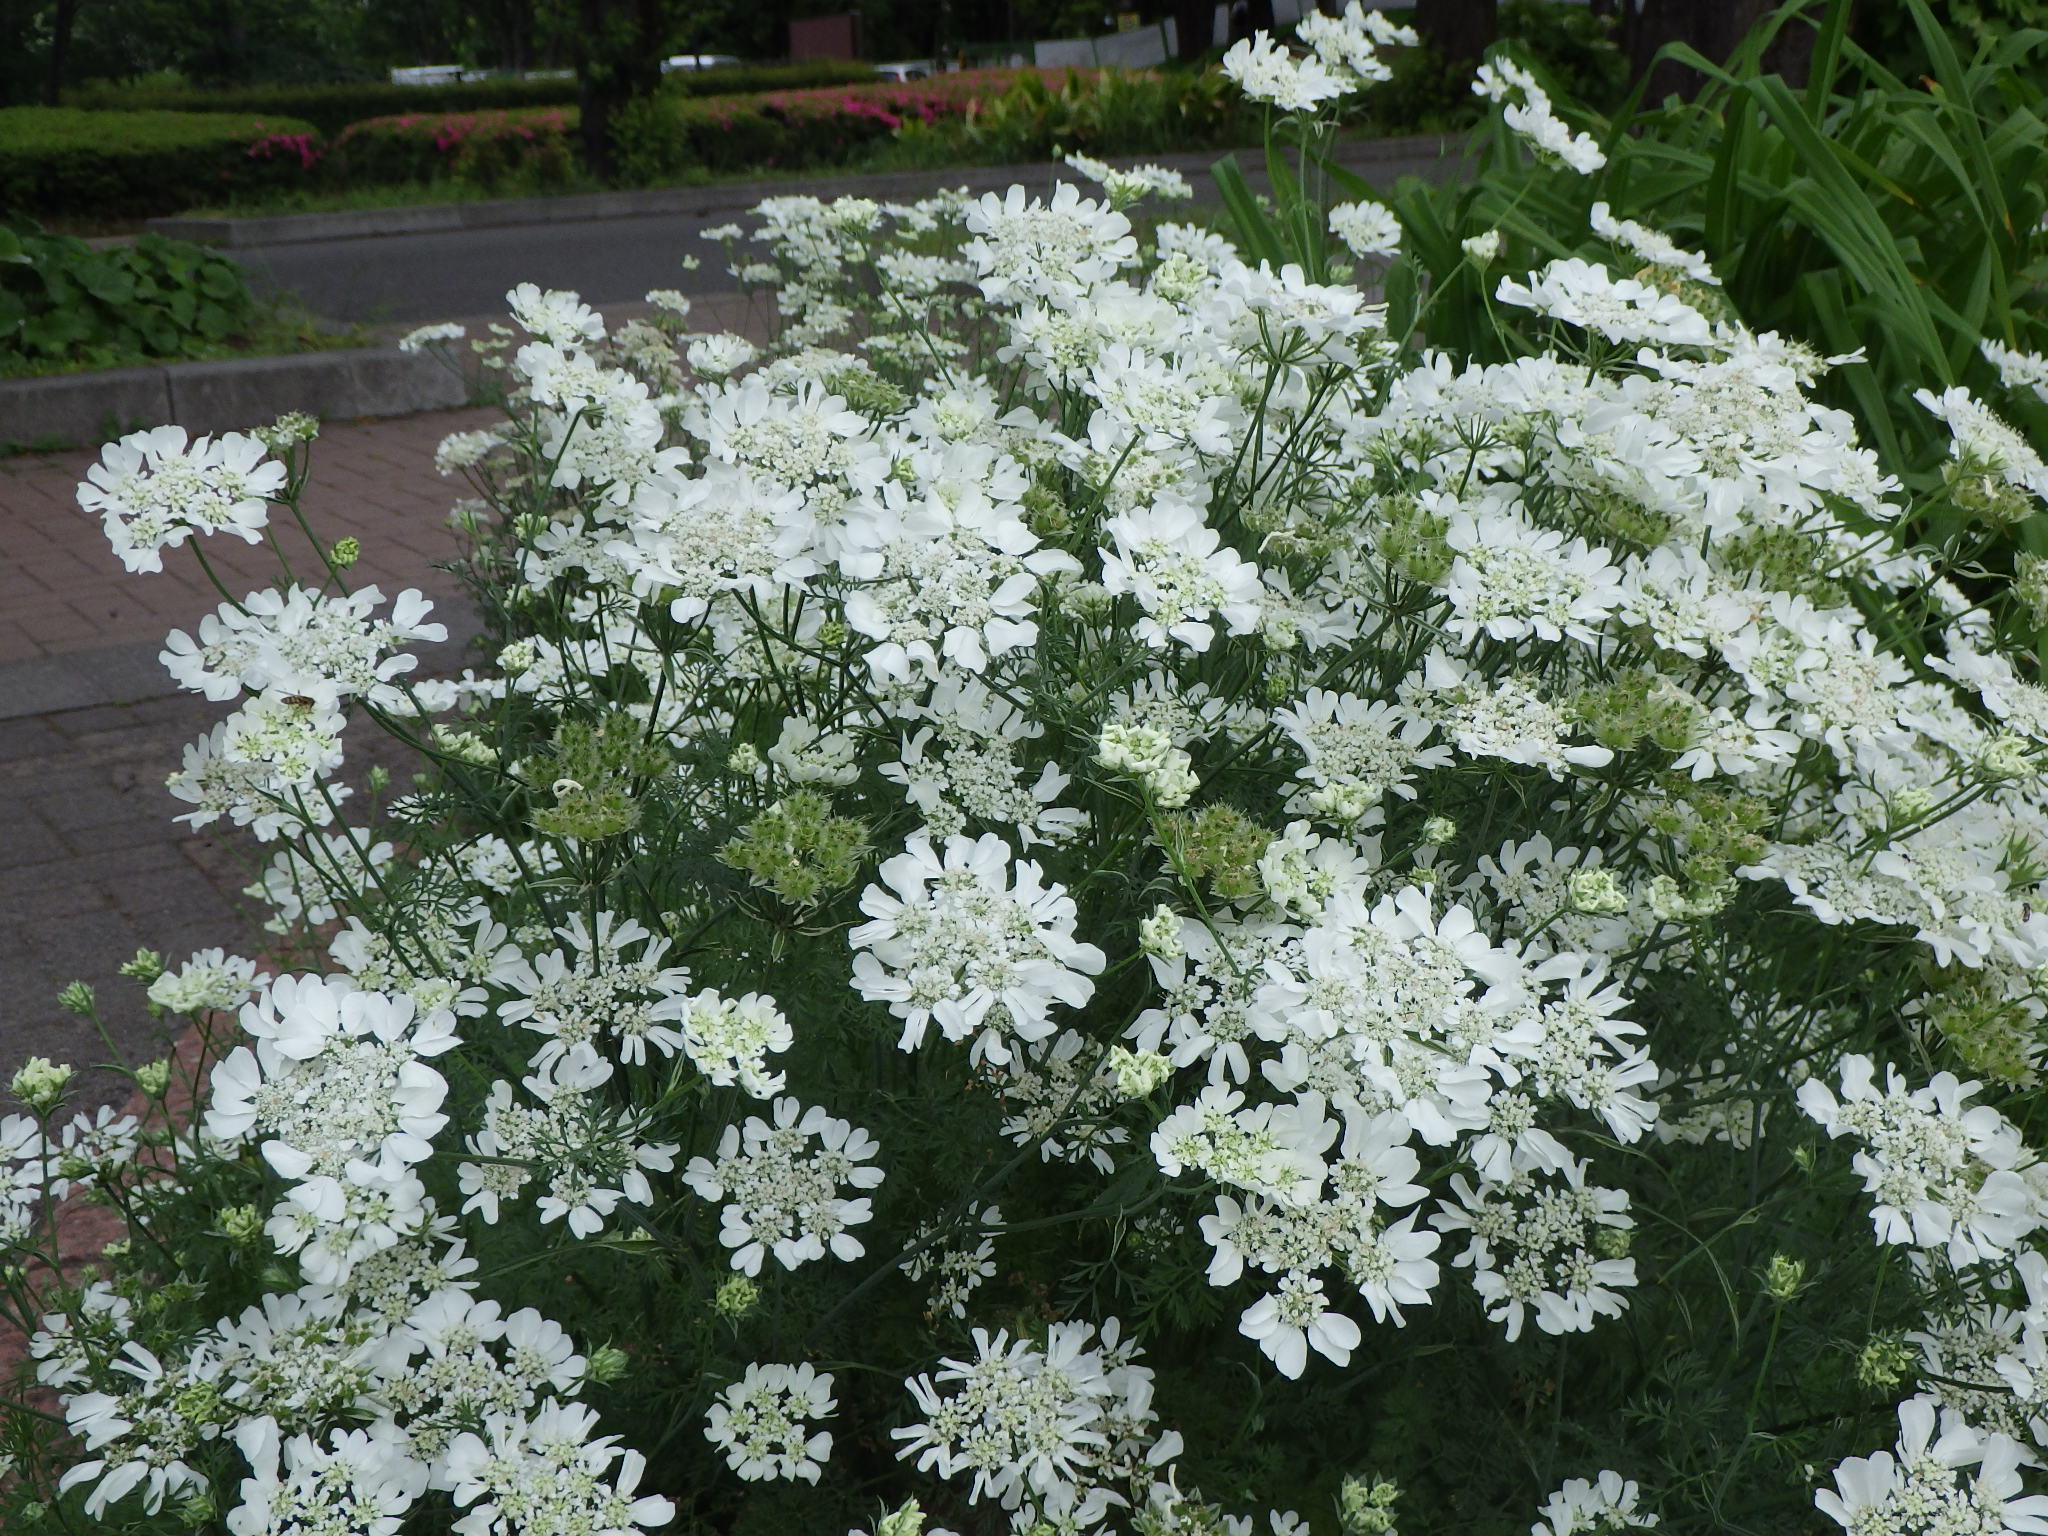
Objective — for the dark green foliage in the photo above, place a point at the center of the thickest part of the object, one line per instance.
(61, 301)
(107, 165)
(331, 108)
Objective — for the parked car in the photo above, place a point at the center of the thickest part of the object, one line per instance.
(907, 69)
(677, 61)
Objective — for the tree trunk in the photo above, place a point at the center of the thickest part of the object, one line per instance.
(63, 16)
(1193, 21)
(1716, 28)
(618, 60)
(1459, 30)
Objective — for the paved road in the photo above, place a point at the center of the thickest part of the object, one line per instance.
(431, 276)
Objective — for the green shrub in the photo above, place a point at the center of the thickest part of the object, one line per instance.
(331, 108)
(526, 150)
(59, 160)
(1110, 112)
(62, 301)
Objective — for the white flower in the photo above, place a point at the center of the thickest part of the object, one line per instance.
(2017, 370)
(762, 1422)
(1538, 1245)
(1605, 1505)
(967, 940)
(781, 1193)
(1928, 1488)
(361, 1482)
(1944, 1176)
(1621, 309)
(558, 318)
(523, 1476)
(1653, 246)
(211, 979)
(1983, 443)
(422, 337)
(1182, 575)
(153, 491)
(1266, 72)
(1368, 229)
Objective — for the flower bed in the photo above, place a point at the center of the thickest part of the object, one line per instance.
(1095, 894)
(526, 147)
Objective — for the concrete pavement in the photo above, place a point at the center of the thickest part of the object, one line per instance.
(424, 276)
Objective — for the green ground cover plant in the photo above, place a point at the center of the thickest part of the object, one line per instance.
(66, 306)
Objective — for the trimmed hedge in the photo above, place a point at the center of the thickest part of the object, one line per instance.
(131, 164)
(789, 130)
(331, 108)
(528, 149)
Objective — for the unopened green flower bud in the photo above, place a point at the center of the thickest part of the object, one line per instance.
(40, 1083)
(242, 1225)
(608, 1363)
(119, 1248)
(290, 428)
(1595, 892)
(379, 778)
(1137, 1073)
(1884, 1362)
(1612, 1242)
(1439, 829)
(197, 1510)
(1365, 1506)
(744, 759)
(907, 1520)
(736, 1298)
(33, 1513)
(2006, 756)
(345, 553)
(76, 998)
(1784, 1277)
(1159, 934)
(145, 967)
(154, 1077)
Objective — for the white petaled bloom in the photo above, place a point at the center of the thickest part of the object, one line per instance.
(1267, 72)
(1126, 187)
(762, 1422)
(556, 317)
(608, 987)
(153, 490)
(523, 1476)
(361, 1483)
(1982, 443)
(301, 641)
(211, 979)
(718, 355)
(1596, 1507)
(729, 1039)
(337, 1075)
(969, 941)
(134, 1437)
(1368, 229)
(780, 1186)
(1547, 1244)
(422, 337)
(1526, 109)
(1653, 246)
(2017, 370)
(1021, 247)
(1621, 309)
(1944, 1174)
(1512, 578)
(1182, 575)
(1358, 752)
(1943, 1477)
(1046, 1429)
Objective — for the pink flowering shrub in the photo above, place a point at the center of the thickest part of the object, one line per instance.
(527, 147)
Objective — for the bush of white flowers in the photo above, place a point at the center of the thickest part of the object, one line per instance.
(1089, 895)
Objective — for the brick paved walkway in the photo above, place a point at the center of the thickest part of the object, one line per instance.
(92, 866)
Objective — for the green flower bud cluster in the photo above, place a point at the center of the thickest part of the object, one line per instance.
(1365, 1506)
(1638, 706)
(1219, 844)
(798, 849)
(596, 764)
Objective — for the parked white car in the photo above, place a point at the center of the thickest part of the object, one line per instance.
(908, 69)
(676, 61)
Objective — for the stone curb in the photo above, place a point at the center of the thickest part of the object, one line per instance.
(731, 197)
(82, 409)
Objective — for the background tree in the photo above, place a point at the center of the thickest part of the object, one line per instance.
(1459, 30)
